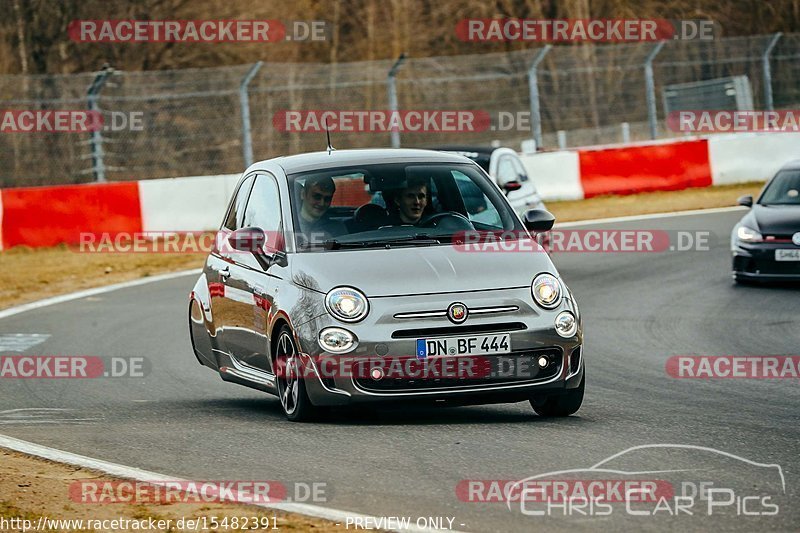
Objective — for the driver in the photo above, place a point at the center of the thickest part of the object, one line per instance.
(316, 197)
(411, 202)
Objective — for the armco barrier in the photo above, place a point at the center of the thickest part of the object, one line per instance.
(666, 166)
(45, 216)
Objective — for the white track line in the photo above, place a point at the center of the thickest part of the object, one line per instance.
(650, 216)
(127, 472)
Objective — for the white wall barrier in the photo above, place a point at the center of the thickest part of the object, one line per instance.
(556, 174)
(742, 157)
(185, 204)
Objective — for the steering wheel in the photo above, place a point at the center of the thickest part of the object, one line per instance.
(449, 220)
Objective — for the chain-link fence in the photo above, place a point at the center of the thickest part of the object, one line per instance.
(216, 120)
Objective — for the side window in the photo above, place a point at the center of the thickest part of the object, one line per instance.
(236, 210)
(506, 171)
(479, 207)
(264, 207)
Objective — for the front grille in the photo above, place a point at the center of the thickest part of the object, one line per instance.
(473, 311)
(518, 367)
(787, 268)
(766, 264)
(457, 330)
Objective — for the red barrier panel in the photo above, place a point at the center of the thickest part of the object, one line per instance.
(658, 167)
(46, 216)
(351, 192)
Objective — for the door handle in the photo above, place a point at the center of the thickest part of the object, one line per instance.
(225, 273)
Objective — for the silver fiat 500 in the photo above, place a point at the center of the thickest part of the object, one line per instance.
(354, 276)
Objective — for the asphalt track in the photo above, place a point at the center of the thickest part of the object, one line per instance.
(639, 309)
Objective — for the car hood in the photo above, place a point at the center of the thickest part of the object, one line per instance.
(774, 219)
(417, 270)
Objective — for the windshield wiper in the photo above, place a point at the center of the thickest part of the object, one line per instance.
(421, 238)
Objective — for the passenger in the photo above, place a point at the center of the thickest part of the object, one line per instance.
(411, 203)
(315, 222)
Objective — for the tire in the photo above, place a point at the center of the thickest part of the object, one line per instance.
(563, 404)
(290, 381)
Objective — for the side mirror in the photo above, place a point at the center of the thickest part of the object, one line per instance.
(266, 251)
(511, 186)
(539, 220)
(746, 201)
(247, 240)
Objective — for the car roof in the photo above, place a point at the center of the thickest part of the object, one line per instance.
(483, 150)
(792, 165)
(343, 158)
(480, 154)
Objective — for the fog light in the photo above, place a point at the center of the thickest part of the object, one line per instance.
(543, 362)
(566, 324)
(337, 340)
(377, 374)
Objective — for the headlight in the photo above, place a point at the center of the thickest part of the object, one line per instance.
(347, 304)
(566, 324)
(748, 234)
(336, 340)
(546, 291)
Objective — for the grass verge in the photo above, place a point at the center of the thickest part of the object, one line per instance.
(33, 489)
(651, 202)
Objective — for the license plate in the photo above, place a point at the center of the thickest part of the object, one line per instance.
(457, 346)
(787, 255)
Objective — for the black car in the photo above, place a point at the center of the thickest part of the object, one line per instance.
(766, 241)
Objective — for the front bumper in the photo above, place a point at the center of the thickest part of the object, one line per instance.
(385, 340)
(757, 261)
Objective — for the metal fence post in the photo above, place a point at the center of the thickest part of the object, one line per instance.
(650, 87)
(391, 86)
(96, 138)
(768, 71)
(533, 88)
(244, 104)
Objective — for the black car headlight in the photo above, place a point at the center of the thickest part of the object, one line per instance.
(746, 234)
(347, 304)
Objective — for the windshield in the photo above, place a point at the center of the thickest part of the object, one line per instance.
(784, 189)
(398, 204)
